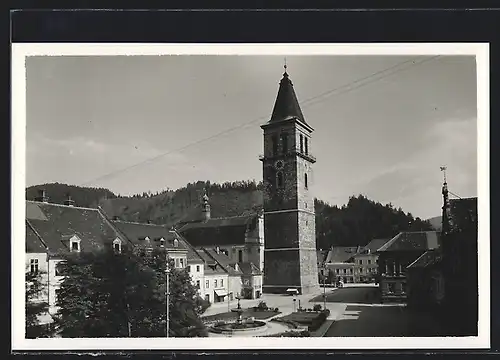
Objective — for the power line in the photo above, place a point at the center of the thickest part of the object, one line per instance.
(306, 103)
(458, 197)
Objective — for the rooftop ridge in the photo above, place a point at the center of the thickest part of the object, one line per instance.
(232, 217)
(62, 205)
(140, 223)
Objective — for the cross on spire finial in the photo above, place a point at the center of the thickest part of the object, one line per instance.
(284, 66)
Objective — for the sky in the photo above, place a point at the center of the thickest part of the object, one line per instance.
(383, 124)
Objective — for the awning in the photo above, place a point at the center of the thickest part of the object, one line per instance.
(221, 292)
(292, 290)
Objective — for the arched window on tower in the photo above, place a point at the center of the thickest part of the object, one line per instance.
(274, 141)
(279, 180)
(305, 181)
(301, 143)
(306, 146)
(284, 143)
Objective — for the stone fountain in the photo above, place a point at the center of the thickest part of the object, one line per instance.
(240, 327)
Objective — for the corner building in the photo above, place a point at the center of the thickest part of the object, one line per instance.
(290, 258)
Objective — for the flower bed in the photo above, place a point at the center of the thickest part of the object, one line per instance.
(248, 313)
(312, 319)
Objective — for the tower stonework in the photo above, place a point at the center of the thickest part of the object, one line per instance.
(289, 219)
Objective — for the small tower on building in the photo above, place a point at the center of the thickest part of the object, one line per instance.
(205, 210)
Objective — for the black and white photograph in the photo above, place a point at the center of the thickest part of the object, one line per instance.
(223, 196)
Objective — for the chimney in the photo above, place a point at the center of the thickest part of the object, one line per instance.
(150, 221)
(217, 250)
(42, 196)
(205, 207)
(69, 201)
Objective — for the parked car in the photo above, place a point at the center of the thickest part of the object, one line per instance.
(292, 291)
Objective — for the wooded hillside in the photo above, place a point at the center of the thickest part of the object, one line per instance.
(355, 223)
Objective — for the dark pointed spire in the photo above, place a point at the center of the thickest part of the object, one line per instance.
(286, 105)
(445, 217)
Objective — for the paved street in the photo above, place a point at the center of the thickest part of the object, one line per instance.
(364, 316)
(356, 310)
(359, 293)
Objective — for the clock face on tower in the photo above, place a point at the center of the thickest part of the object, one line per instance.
(279, 164)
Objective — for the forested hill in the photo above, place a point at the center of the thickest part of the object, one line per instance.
(355, 223)
(83, 196)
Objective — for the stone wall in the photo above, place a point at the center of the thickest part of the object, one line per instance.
(281, 269)
(281, 230)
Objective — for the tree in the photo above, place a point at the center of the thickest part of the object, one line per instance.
(185, 305)
(35, 306)
(105, 294)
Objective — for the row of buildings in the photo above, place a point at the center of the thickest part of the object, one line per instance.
(224, 256)
(431, 271)
(351, 264)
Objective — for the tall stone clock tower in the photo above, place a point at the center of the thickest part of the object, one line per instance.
(289, 218)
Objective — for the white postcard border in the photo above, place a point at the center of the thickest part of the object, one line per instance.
(21, 50)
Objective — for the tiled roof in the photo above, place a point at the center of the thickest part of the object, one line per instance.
(375, 244)
(54, 222)
(221, 231)
(138, 232)
(249, 268)
(407, 241)
(286, 105)
(341, 254)
(33, 243)
(223, 260)
(211, 265)
(428, 258)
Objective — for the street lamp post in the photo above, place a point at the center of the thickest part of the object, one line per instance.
(228, 299)
(167, 296)
(324, 286)
(167, 271)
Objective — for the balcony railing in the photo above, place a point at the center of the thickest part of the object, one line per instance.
(303, 155)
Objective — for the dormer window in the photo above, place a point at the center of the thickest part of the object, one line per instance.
(162, 242)
(117, 245)
(176, 243)
(74, 244)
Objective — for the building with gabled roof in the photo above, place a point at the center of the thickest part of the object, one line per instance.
(241, 238)
(396, 255)
(152, 236)
(53, 230)
(445, 279)
(352, 264)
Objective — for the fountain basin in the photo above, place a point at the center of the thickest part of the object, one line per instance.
(245, 328)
